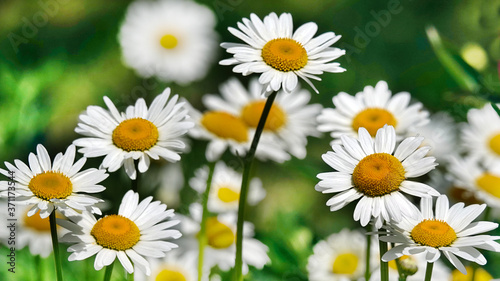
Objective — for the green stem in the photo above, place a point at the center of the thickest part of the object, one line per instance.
(108, 272)
(247, 166)
(202, 235)
(402, 275)
(384, 267)
(135, 183)
(428, 271)
(368, 253)
(39, 267)
(55, 244)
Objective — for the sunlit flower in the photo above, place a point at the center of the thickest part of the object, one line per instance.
(340, 257)
(480, 275)
(221, 234)
(137, 134)
(173, 267)
(139, 230)
(272, 48)
(173, 40)
(290, 121)
(377, 172)
(45, 185)
(448, 231)
(481, 136)
(225, 188)
(372, 109)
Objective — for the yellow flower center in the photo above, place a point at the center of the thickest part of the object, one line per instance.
(433, 233)
(373, 119)
(135, 134)
(116, 232)
(378, 174)
(227, 195)
(225, 125)
(251, 115)
(480, 275)
(489, 183)
(168, 41)
(219, 235)
(36, 222)
(345, 264)
(170, 275)
(51, 185)
(495, 144)
(284, 54)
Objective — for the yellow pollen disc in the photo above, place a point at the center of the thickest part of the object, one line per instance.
(489, 183)
(433, 233)
(135, 134)
(480, 275)
(36, 222)
(373, 119)
(116, 232)
(345, 264)
(251, 115)
(227, 195)
(219, 235)
(225, 125)
(284, 54)
(378, 174)
(168, 41)
(495, 144)
(170, 275)
(51, 185)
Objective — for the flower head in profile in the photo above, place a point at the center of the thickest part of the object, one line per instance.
(376, 172)
(138, 133)
(45, 185)
(448, 231)
(139, 230)
(372, 108)
(174, 266)
(173, 40)
(272, 48)
(290, 121)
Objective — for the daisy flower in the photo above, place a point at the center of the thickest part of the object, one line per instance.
(221, 247)
(377, 172)
(449, 231)
(45, 185)
(372, 109)
(173, 40)
(225, 130)
(480, 275)
(272, 48)
(290, 121)
(483, 183)
(225, 188)
(481, 135)
(140, 229)
(340, 257)
(173, 267)
(138, 133)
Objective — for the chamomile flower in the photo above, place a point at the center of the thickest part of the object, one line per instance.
(377, 172)
(272, 48)
(225, 130)
(372, 109)
(479, 275)
(137, 134)
(221, 240)
(290, 121)
(45, 185)
(481, 135)
(173, 40)
(483, 183)
(139, 230)
(340, 257)
(173, 267)
(225, 188)
(448, 231)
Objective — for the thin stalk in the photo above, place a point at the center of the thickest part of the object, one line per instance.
(384, 267)
(247, 166)
(55, 244)
(108, 272)
(39, 268)
(135, 183)
(202, 235)
(402, 275)
(428, 271)
(367, 260)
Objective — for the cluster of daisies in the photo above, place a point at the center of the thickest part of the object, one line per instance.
(384, 147)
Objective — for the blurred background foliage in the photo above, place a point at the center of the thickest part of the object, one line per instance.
(58, 57)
